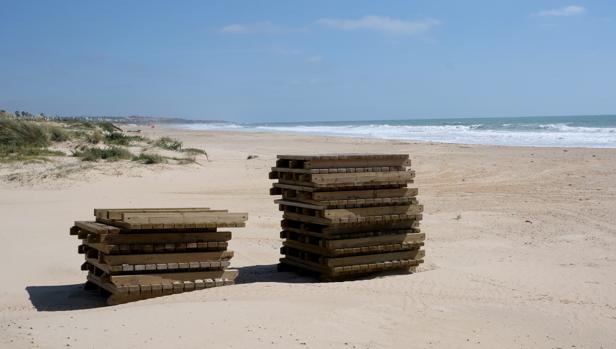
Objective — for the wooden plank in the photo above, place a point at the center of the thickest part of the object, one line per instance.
(97, 227)
(353, 203)
(186, 215)
(161, 226)
(294, 187)
(352, 163)
(130, 293)
(150, 238)
(162, 278)
(352, 213)
(332, 179)
(373, 169)
(351, 229)
(155, 267)
(351, 251)
(116, 213)
(353, 233)
(156, 258)
(364, 194)
(374, 258)
(155, 247)
(331, 274)
(356, 215)
(343, 156)
(411, 238)
(300, 204)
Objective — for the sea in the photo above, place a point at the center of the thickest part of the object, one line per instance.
(591, 131)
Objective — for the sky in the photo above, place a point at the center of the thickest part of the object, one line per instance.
(257, 61)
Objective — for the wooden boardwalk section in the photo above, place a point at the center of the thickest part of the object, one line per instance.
(139, 253)
(348, 215)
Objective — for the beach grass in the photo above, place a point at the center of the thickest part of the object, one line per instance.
(168, 143)
(112, 153)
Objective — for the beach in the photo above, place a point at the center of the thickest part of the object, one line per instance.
(519, 254)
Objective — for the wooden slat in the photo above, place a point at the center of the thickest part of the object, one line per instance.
(412, 238)
(150, 238)
(331, 274)
(364, 194)
(353, 213)
(343, 156)
(97, 227)
(351, 251)
(155, 267)
(155, 247)
(155, 258)
(155, 227)
(332, 179)
(162, 278)
(116, 213)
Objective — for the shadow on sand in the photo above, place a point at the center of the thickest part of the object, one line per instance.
(269, 273)
(65, 297)
(75, 297)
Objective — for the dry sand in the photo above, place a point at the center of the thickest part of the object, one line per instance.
(521, 253)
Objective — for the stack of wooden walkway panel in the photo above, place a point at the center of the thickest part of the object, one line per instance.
(142, 253)
(348, 215)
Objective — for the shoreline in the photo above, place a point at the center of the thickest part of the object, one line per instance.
(369, 139)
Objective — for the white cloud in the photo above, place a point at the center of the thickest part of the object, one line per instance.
(314, 59)
(381, 24)
(250, 28)
(571, 10)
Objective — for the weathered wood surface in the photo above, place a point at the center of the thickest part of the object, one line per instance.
(156, 258)
(359, 203)
(155, 224)
(411, 236)
(276, 170)
(156, 248)
(117, 213)
(342, 161)
(154, 267)
(350, 229)
(331, 262)
(346, 272)
(338, 180)
(351, 251)
(162, 278)
(135, 292)
(95, 228)
(410, 214)
(159, 238)
(343, 156)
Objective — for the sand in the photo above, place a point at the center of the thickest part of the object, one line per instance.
(520, 254)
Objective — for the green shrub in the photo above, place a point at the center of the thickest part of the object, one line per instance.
(77, 124)
(16, 153)
(22, 134)
(108, 126)
(168, 143)
(94, 137)
(58, 134)
(149, 159)
(119, 138)
(110, 154)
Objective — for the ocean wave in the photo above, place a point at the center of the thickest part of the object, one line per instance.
(580, 129)
(542, 135)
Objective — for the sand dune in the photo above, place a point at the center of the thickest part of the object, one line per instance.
(519, 254)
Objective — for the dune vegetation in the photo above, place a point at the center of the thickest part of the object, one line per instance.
(29, 138)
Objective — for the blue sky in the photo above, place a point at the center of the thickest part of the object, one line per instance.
(309, 60)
